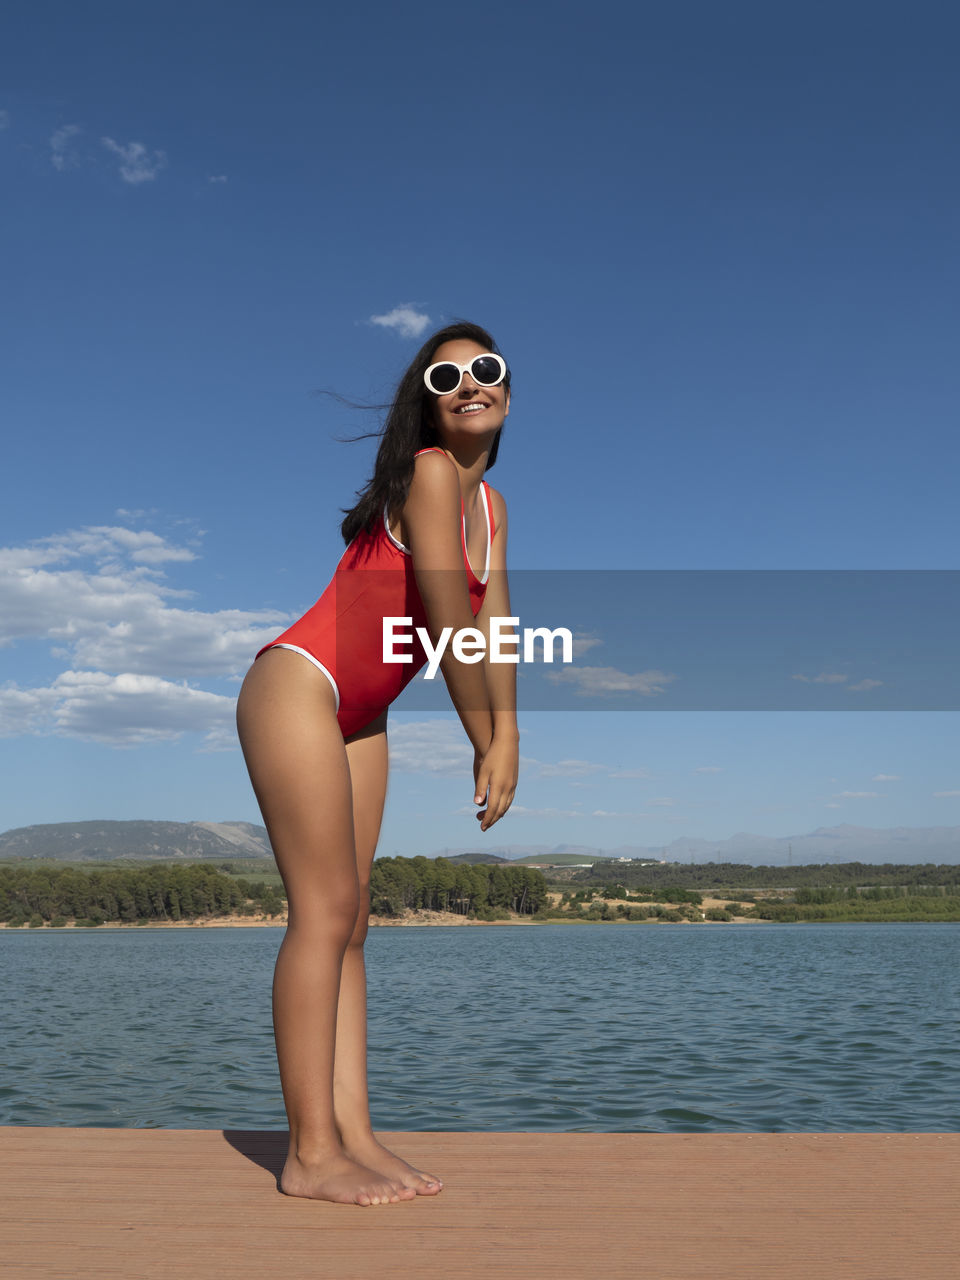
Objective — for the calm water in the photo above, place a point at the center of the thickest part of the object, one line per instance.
(594, 1027)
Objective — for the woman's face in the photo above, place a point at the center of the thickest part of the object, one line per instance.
(471, 410)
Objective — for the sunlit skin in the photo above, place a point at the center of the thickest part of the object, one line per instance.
(322, 802)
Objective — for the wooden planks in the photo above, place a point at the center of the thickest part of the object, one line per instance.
(126, 1204)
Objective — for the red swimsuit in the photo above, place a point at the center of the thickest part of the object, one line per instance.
(343, 633)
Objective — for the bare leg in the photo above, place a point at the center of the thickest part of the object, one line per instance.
(298, 766)
(367, 755)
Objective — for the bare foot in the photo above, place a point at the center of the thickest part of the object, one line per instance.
(374, 1155)
(342, 1180)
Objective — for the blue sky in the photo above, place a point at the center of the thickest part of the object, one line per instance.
(718, 245)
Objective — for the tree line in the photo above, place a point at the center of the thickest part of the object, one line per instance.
(160, 892)
(717, 875)
(931, 906)
(469, 889)
(153, 893)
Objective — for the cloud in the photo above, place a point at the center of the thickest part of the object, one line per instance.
(864, 685)
(119, 710)
(664, 802)
(430, 746)
(4, 120)
(859, 795)
(217, 177)
(631, 773)
(610, 813)
(569, 769)
(607, 680)
(521, 811)
(99, 596)
(62, 155)
(709, 768)
(24, 711)
(99, 599)
(583, 642)
(945, 795)
(885, 777)
(825, 677)
(137, 164)
(404, 320)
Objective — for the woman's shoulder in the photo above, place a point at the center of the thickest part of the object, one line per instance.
(434, 473)
(433, 459)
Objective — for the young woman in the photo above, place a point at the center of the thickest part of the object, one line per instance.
(426, 540)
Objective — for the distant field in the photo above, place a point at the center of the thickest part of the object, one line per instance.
(557, 859)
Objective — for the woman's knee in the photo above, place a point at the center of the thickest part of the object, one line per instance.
(331, 911)
(362, 917)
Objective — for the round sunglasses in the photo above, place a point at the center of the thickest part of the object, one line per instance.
(444, 378)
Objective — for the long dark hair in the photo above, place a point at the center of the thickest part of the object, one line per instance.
(408, 428)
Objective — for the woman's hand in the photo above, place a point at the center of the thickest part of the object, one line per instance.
(495, 775)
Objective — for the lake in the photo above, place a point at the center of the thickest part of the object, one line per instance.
(660, 1028)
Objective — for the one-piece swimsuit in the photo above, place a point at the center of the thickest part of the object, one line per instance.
(342, 634)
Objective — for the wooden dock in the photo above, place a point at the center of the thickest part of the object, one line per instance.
(133, 1204)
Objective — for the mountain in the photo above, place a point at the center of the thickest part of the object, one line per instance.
(844, 843)
(219, 841)
(147, 841)
(477, 858)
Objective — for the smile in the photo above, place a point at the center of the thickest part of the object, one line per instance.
(474, 406)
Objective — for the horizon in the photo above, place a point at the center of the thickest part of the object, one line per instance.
(867, 840)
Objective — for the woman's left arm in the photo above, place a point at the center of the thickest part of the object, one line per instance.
(497, 770)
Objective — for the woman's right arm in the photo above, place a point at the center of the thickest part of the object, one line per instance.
(432, 517)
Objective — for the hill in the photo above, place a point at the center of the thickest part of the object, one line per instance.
(476, 859)
(840, 844)
(142, 840)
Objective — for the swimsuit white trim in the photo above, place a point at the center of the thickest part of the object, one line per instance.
(489, 513)
(316, 662)
(486, 502)
(396, 543)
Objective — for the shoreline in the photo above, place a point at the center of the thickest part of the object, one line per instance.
(413, 919)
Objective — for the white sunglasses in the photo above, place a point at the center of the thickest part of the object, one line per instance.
(486, 371)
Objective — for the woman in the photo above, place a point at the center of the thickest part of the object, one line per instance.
(312, 722)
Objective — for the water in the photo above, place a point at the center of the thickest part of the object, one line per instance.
(666, 1028)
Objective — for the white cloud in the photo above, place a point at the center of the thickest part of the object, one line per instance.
(24, 711)
(4, 119)
(825, 677)
(583, 642)
(631, 773)
(607, 680)
(569, 769)
(521, 811)
(945, 795)
(885, 777)
(137, 164)
(430, 746)
(709, 768)
(121, 710)
(610, 813)
(114, 613)
(217, 177)
(664, 802)
(62, 155)
(864, 685)
(99, 599)
(407, 322)
(859, 795)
